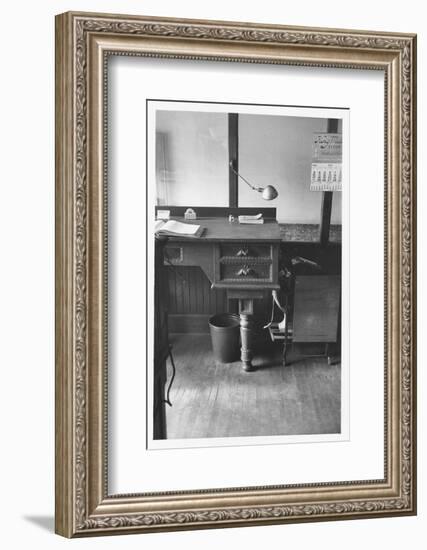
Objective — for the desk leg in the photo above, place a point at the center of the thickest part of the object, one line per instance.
(246, 311)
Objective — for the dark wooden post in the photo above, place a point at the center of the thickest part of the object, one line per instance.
(325, 222)
(233, 157)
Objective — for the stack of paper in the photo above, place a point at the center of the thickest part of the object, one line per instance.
(174, 228)
(251, 219)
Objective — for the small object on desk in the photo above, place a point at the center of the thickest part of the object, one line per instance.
(163, 214)
(251, 219)
(231, 218)
(190, 214)
(173, 228)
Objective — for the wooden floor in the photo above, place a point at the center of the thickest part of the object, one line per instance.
(211, 399)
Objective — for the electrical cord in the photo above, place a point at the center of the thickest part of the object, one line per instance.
(279, 305)
(167, 400)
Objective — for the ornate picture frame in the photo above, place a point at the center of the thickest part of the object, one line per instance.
(83, 43)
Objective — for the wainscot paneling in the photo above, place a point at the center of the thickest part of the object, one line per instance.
(191, 301)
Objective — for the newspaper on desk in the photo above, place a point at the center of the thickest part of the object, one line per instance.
(174, 228)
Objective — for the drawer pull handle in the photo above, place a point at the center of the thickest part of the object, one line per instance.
(242, 252)
(245, 271)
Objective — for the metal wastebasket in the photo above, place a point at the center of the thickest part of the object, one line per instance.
(225, 337)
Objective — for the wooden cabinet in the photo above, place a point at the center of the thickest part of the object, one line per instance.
(240, 259)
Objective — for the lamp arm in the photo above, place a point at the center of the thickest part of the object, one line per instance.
(259, 189)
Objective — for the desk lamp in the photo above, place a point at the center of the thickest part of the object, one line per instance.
(268, 193)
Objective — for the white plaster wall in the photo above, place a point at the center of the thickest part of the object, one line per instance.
(277, 150)
(196, 157)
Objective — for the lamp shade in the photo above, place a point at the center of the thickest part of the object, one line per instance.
(269, 193)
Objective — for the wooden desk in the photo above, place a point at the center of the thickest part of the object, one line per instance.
(241, 259)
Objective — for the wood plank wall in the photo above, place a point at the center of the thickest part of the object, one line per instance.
(190, 300)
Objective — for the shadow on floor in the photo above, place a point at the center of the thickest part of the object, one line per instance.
(44, 522)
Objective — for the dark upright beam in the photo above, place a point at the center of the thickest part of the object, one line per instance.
(233, 157)
(326, 217)
(325, 222)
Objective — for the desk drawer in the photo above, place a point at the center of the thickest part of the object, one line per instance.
(239, 272)
(245, 250)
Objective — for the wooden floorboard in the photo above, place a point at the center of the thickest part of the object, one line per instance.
(211, 399)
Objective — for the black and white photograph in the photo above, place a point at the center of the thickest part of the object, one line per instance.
(248, 219)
